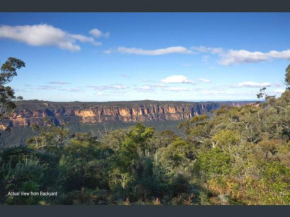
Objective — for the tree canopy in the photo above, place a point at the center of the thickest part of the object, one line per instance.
(7, 94)
(236, 155)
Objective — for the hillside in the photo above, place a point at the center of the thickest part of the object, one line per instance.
(59, 113)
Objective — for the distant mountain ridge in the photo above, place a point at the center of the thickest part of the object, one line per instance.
(36, 112)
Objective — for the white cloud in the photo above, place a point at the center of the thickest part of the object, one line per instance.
(231, 57)
(58, 82)
(163, 51)
(226, 92)
(253, 84)
(203, 49)
(97, 33)
(176, 89)
(285, 54)
(44, 35)
(278, 85)
(177, 79)
(110, 87)
(97, 43)
(157, 85)
(108, 51)
(244, 56)
(82, 38)
(204, 80)
(279, 90)
(119, 86)
(148, 81)
(72, 89)
(145, 88)
(205, 58)
(47, 87)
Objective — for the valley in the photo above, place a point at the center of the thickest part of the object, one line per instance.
(99, 117)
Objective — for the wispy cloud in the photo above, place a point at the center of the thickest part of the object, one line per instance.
(45, 35)
(174, 89)
(204, 80)
(85, 39)
(108, 51)
(203, 49)
(177, 79)
(125, 76)
(226, 92)
(169, 50)
(253, 84)
(226, 57)
(98, 34)
(148, 81)
(231, 57)
(157, 85)
(279, 91)
(58, 82)
(110, 87)
(145, 89)
(47, 87)
(278, 85)
(205, 58)
(102, 94)
(243, 56)
(72, 89)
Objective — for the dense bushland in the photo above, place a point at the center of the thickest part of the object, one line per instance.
(237, 155)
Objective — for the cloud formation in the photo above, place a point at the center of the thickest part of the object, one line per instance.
(226, 57)
(231, 57)
(108, 51)
(204, 80)
(98, 34)
(203, 49)
(226, 92)
(47, 87)
(58, 82)
(243, 56)
(110, 87)
(145, 89)
(72, 89)
(253, 84)
(174, 89)
(177, 79)
(156, 52)
(279, 90)
(45, 35)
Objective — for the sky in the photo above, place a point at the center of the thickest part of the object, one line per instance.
(146, 56)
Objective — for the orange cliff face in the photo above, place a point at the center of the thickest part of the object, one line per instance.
(89, 113)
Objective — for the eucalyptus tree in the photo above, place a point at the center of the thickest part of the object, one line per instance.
(7, 94)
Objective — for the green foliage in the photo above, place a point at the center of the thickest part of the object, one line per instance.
(239, 155)
(287, 76)
(8, 71)
(213, 162)
(226, 138)
(51, 140)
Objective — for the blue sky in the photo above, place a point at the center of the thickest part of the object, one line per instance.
(138, 56)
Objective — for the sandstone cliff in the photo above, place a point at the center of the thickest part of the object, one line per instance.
(39, 112)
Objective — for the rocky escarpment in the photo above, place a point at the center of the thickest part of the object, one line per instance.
(39, 112)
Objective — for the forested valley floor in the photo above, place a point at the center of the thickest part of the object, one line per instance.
(234, 156)
(241, 155)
